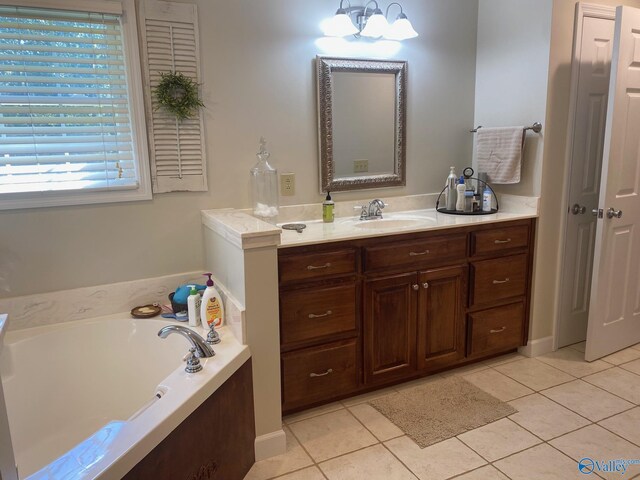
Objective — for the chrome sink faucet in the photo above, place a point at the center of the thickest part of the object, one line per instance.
(199, 347)
(373, 211)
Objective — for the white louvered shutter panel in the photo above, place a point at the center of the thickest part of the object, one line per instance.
(170, 43)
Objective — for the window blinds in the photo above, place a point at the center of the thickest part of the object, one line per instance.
(170, 36)
(64, 110)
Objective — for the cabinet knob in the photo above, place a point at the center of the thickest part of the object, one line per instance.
(416, 287)
(425, 285)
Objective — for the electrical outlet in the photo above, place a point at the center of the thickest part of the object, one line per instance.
(287, 184)
(360, 166)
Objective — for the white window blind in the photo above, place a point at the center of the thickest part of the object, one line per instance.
(170, 38)
(65, 120)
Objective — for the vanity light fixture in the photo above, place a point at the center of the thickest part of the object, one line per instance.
(368, 22)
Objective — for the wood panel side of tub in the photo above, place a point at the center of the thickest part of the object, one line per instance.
(215, 442)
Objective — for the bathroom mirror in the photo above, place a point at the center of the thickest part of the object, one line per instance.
(362, 122)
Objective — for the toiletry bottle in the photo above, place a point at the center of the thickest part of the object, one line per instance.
(194, 302)
(212, 308)
(327, 209)
(451, 189)
(461, 188)
(468, 201)
(487, 199)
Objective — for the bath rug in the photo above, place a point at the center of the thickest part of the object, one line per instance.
(441, 409)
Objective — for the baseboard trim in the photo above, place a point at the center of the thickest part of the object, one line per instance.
(270, 445)
(537, 347)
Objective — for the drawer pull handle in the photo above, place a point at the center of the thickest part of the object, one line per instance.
(498, 282)
(498, 242)
(313, 375)
(498, 330)
(418, 254)
(314, 267)
(313, 315)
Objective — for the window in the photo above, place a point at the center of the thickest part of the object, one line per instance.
(72, 127)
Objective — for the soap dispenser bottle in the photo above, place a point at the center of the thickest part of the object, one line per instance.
(328, 209)
(461, 188)
(212, 308)
(264, 185)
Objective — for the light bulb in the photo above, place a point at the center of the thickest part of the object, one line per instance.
(376, 26)
(340, 25)
(401, 29)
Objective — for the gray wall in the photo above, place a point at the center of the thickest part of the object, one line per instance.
(258, 76)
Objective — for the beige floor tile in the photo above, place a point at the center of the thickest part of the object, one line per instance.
(487, 472)
(295, 458)
(572, 362)
(598, 444)
(442, 460)
(418, 382)
(534, 374)
(545, 418)
(623, 356)
(502, 359)
(579, 346)
(381, 427)
(311, 473)
(626, 424)
(499, 439)
(633, 367)
(371, 463)
(540, 463)
(367, 397)
(587, 400)
(619, 382)
(332, 434)
(498, 385)
(466, 370)
(312, 412)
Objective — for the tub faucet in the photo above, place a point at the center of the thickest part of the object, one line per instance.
(202, 349)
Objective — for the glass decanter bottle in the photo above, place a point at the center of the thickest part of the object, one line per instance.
(264, 185)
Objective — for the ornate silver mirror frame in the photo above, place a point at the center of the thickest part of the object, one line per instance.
(325, 67)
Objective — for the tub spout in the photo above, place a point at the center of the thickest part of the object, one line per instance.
(202, 349)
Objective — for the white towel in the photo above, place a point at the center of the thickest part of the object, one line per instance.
(499, 153)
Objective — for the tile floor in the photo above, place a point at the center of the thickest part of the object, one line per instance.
(567, 409)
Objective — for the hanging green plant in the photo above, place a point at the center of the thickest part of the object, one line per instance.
(178, 95)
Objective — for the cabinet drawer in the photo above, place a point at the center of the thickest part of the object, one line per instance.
(499, 239)
(313, 313)
(496, 330)
(319, 373)
(310, 266)
(415, 253)
(498, 279)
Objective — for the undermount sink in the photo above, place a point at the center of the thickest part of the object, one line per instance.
(391, 223)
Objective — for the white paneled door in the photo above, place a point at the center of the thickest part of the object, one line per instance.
(594, 45)
(614, 312)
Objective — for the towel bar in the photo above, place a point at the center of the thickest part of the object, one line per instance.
(536, 127)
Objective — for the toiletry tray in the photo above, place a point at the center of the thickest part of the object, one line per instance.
(456, 212)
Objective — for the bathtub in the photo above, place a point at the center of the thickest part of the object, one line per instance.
(89, 399)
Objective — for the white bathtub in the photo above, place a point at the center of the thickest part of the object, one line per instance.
(89, 399)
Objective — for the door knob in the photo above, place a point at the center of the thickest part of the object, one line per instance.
(613, 213)
(578, 209)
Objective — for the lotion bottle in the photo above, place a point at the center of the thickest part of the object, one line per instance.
(194, 302)
(487, 200)
(212, 308)
(461, 188)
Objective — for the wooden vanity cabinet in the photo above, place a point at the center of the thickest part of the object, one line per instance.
(367, 313)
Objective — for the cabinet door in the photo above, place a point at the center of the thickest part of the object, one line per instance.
(390, 327)
(441, 332)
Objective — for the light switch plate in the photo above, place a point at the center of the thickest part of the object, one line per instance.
(287, 184)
